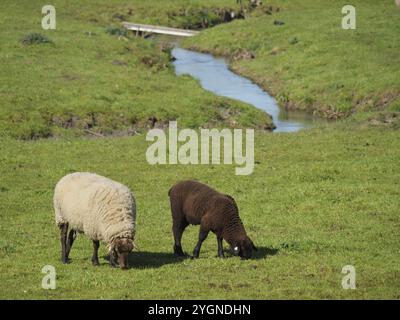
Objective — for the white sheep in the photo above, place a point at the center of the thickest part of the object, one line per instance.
(102, 209)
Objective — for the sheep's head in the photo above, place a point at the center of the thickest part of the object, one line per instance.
(120, 249)
(245, 247)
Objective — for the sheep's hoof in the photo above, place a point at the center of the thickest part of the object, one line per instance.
(95, 263)
(179, 254)
(65, 261)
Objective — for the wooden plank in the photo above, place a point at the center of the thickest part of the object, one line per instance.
(158, 29)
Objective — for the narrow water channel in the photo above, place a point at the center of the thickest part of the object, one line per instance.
(215, 76)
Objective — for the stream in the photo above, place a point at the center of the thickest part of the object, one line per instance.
(214, 75)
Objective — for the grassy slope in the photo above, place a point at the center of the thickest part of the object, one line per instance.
(329, 70)
(42, 87)
(327, 209)
(318, 199)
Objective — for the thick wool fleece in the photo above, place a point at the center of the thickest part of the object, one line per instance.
(97, 206)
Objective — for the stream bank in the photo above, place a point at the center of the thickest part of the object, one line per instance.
(215, 76)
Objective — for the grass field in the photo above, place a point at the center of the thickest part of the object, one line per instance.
(318, 199)
(309, 218)
(87, 79)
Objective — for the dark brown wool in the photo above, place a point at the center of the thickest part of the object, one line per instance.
(195, 203)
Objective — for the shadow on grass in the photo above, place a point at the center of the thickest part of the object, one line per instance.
(261, 253)
(264, 252)
(144, 259)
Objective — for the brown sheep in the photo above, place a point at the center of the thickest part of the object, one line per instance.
(195, 203)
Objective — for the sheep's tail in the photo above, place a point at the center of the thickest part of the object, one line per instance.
(169, 192)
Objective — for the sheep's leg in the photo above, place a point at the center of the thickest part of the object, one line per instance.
(95, 258)
(220, 248)
(202, 236)
(70, 241)
(178, 231)
(63, 238)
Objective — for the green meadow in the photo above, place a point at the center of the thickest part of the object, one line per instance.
(318, 199)
(91, 78)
